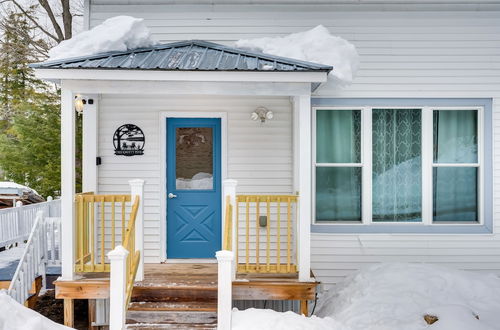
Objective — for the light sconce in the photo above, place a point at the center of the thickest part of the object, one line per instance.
(262, 114)
(79, 104)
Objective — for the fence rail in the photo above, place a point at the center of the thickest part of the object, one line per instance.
(32, 263)
(101, 225)
(265, 234)
(16, 222)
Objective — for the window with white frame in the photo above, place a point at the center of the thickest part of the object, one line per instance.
(380, 165)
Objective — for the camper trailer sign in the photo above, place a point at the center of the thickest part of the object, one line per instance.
(128, 140)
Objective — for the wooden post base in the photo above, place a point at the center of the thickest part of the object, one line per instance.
(69, 313)
(303, 308)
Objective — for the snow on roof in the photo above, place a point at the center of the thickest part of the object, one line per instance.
(317, 45)
(8, 185)
(119, 33)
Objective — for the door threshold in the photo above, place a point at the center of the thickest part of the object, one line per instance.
(191, 261)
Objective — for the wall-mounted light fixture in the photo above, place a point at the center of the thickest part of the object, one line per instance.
(262, 114)
(79, 104)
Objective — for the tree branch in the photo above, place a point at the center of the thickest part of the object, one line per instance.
(45, 4)
(67, 19)
(33, 20)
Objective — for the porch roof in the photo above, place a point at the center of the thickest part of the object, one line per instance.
(192, 55)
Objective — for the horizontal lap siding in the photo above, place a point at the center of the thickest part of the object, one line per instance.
(258, 157)
(403, 54)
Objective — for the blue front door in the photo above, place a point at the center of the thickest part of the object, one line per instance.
(193, 187)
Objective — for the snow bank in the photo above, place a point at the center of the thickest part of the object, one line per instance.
(316, 45)
(258, 319)
(15, 316)
(394, 297)
(119, 33)
(10, 184)
(397, 296)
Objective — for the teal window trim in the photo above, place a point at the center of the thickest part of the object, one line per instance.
(436, 228)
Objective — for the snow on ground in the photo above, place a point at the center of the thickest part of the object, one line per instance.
(119, 33)
(15, 316)
(10, 255)
(395, 297)
(316, 45)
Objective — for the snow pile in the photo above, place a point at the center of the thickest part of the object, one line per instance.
(394, 297)
(15, 316)
(199, 181)
(13, 185)
(119, 33)
(316, 45)
(11, 255)
(268, 319)
(397, 296)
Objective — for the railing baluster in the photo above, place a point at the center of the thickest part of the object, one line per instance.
(289, 235)
(268, 225)
(237, 231)
(123, 220)
(278, 251)
(92, 234)
(80, 231)
(257, 237)
(247, 264)
(103, 239)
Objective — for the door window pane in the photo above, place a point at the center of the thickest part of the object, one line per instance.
(338, 136)
(397, 165)
(194, 158)
(338, 194)
(455, 136)
(455, 194)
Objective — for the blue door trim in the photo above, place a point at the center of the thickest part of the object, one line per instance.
(208, 202)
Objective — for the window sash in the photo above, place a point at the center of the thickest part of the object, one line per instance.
(427, 165)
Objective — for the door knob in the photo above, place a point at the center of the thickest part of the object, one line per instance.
(170, 195)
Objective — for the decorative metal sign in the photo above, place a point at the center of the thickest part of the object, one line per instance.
(128, 140)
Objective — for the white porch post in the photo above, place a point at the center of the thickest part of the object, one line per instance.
(67, 184)
(302, 114)
(137, 189)
(229, 189)
(225, 289)
(89, 144)
(117, 287)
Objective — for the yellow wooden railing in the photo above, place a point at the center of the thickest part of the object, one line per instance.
(101, 224)
(134, 255)
(227, 243)
(265, 250)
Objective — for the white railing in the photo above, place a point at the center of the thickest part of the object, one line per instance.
(16, 222)
(33, 262)
(53, 231)
(224, 289)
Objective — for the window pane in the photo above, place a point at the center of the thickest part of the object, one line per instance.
(338, 136)
(338, 193)
(455, 136)
(397, 165)
(194, 158)
(455, 194)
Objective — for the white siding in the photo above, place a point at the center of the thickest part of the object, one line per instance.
(424, 53)
(259, 156)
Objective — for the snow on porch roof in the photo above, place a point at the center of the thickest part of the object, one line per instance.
(193, 55)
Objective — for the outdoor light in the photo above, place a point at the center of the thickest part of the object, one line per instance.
(262, 114)
(79, 103)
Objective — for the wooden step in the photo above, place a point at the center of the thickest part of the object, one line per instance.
(174, 293)
(186, 306)
(181, 318)
(171, 326)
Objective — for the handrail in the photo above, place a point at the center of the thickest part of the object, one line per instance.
(228, 226)
(134, 255)
(32, 263)
(267, 219)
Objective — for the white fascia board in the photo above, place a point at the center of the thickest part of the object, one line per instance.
(151, 75)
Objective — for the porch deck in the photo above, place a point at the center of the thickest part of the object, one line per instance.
(178, 283)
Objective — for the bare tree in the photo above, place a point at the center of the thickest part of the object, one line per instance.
(54, 19)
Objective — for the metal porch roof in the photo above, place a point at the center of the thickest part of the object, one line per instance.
(192, 55)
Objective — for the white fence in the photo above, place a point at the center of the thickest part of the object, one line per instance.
(16, 222)
(33, 262)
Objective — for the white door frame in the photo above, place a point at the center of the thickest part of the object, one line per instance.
(163, 115)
